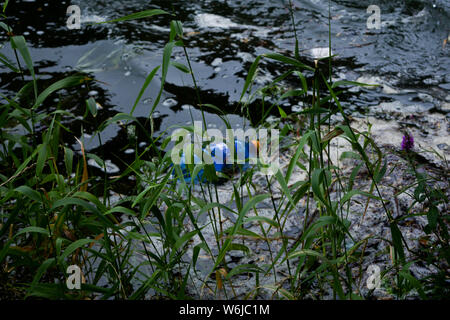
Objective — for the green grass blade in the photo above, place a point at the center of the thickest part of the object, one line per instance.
(137, 15)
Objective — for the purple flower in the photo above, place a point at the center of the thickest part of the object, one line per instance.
(407, 142)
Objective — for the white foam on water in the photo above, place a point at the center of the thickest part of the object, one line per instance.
(156, 114)
(186, 106)
(319, 53)
(170, 102)
(110, 167)
(370, 80)
(92, 18)
(217, 62)
(245, 56)
(207, 20)
(159, 28)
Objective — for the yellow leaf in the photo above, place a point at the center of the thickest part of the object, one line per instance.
(22, 249)
(96, 238)
(85, 176)
(219, 280)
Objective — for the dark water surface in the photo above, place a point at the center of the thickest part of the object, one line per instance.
(223, 39)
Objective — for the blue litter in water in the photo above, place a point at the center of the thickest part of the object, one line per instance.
(220, 163)
(186, 172)
(221, 155)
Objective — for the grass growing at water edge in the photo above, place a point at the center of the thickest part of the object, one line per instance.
(51, 217)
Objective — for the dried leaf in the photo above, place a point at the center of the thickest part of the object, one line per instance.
(96, 239)
(219, 280)
(85, 176)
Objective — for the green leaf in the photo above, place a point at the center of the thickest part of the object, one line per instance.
(142, 194)
(380, 174)
(5, 248)
(91, 104)
(144, 87)
(351, 193)
(154, 197)
(292, 93)
(186, 237)
(222, 115)
(281, 290)
(19, 43)
(8, 63)
(352, 83)
(33, 230)
(96, 158)
(244, 268)
(120, 209)
(250, 204)
(250, 77)
(180, 66)
(262, 219)
(196, 252)
(74, 246)
(353, 175)
(287, 60)
(284, 187)
(294, 159)
(306, 252)
(176, 29)
(146, 285)
(30, 193)
(42, 269)
(61, 84)
(350, 155)
(137, 15)
(212, 205)
(120, 117)
(320, 223)
(5, 27)
(42, 158)
(432, 216)
(303, 80)
(245, 232)
(397, 240)
(316, 181)
(5, 4)
(282, 113)
(414, 282)
(165, 67)
(239, 247)
(84, 204)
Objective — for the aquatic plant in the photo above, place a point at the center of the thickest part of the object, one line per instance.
(407, 142)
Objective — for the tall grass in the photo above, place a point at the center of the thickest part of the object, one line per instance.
(148, 244)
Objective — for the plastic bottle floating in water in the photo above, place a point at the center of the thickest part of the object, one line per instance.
(222, 159)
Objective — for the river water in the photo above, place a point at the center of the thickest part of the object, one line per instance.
(408, 55)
